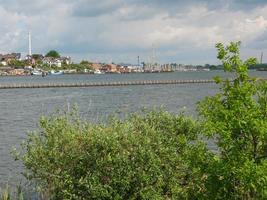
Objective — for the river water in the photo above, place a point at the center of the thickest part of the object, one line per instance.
(21, 108)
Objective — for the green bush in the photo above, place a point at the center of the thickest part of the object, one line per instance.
(11, 194)
(137, 158)
(236, 119)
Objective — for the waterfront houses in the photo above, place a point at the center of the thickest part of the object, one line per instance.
(96, 66)
(56, 61)
(109, 68)
(52, 61)
(11, 71)
(6, 59)
(12, 64)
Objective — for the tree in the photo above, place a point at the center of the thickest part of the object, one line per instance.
(85, 62)
(84, 65)
(37, 56)
(53, 53)
(236, 119)
(18, 63)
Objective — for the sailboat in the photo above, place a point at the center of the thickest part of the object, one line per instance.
(53, 72)
(37, 72)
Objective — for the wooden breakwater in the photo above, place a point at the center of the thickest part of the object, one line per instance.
(102, 84)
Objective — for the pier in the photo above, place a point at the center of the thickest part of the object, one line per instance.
(103, 84)
(108, 84)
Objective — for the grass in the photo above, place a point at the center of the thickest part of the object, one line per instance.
(7, 193)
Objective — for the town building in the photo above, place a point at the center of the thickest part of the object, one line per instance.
(57, 61)
(96, 66)
(109, 68)
(6, 59)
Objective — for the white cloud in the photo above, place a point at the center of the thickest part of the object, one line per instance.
(122, 30)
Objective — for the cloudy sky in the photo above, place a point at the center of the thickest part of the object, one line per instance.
(182, 31)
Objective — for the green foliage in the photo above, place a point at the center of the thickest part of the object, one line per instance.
(236, 119)
(7, 194)
(138, 158)
(35, 56)
(72, 66)
(261, 66)
(79, 67)
(85, 62)
(18, 63)
(53, 53)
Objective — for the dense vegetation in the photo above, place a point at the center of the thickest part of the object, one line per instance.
(52, 53)
(138, 158)
(159, 155)
(236, 119)
(18, 63)
(262, 66)
(81, 67)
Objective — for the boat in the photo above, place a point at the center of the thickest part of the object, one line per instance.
(52, 72)
(37, 72)
(98, 72)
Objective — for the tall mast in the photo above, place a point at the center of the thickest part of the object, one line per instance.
(30, 44)
(261, 56)
(153, 59)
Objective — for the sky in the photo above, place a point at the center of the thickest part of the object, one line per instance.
(181, 31)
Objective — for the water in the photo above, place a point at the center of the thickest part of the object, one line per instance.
(22, 108)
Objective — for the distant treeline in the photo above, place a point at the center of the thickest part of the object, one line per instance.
(220, 67)
(259, 66)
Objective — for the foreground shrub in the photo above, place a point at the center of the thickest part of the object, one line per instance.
(141, 157)
(236, 119)
(7, 193)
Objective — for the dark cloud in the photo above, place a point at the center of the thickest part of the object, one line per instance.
(245, 4)
(94, 8)
(27, 7)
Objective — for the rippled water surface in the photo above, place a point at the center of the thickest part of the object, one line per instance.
(21, 108)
